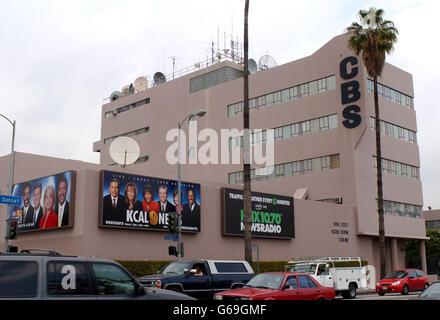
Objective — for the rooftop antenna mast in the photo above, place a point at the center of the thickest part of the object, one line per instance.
(174, 58)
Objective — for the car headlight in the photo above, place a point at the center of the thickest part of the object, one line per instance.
(377, 283)
(395, 283)
(246, 298)
(158, 284)
(218, 297)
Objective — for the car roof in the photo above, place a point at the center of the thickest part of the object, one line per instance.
(286, 273)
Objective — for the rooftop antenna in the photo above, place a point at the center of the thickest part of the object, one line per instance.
(174, 58)
(124, 151)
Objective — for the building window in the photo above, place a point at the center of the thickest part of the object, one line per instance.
(128, 134)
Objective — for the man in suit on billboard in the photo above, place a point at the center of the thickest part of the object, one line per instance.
(164, 205)
(38, 210)
(62, 206)
(27, 211)
(114, 204)
(191, 210)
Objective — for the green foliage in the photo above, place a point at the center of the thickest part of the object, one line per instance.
(269, 266)
(432, 245)
(143, 268)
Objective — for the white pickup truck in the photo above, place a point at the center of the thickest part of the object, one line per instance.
(345, 280)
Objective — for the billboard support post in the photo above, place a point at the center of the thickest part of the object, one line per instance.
(11, 176)
(198, 113)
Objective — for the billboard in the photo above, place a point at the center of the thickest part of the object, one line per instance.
(272, 215)
(47, 202)
(140, 202)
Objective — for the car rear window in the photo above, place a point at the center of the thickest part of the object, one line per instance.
(419, 273)
(230, 267)
(18, 279)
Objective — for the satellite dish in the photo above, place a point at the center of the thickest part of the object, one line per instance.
(252, 66)
(159, 78)
(115, 95)
(131, 89)
(125, 89)
(266, 62)
(124, 150)
(140, 84)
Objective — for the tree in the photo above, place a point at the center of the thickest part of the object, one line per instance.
(247, 217)
(373, 41)
(412, 249)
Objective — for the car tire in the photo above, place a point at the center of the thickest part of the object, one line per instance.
(381, 293)
(350, 293)
(405, 290)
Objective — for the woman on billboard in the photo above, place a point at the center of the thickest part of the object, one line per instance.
(149, 204)
(131, 197)
(49, 219)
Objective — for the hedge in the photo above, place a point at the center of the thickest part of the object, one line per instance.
(142, 268)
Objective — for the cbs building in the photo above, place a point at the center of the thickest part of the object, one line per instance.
(318, 199)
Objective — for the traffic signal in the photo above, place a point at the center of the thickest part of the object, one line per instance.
(12, 229)
(13, 249)
(172, 251)
(172, 222)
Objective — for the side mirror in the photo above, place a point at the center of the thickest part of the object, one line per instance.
(193, 271)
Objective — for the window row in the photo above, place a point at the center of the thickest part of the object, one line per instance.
(271, 99)
(332, 200)
(398, 168)
(112, 113)
(288, 169)
(128, 134)
(401, 209)
(433, 224)
(139, 160)
(391, 94)
(394, 130)
(289, 131)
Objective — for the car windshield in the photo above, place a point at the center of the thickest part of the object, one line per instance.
(266, 281)
(304, 268)
(397, 275)
(432, 292)
(175, 268)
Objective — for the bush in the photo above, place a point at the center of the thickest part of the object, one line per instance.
(143, 268)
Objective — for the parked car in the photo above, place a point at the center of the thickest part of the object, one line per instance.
(51, 276)
(432, 292)
(200, 278)
(345, 280)
(403, 281)
(279, 286)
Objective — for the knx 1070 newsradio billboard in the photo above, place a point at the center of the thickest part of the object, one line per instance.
(140, 202)
(272, 215)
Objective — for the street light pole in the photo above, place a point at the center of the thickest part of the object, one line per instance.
(198, 113)
(11, 176)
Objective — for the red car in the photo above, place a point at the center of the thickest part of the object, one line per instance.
(403, 281)
(279, 286)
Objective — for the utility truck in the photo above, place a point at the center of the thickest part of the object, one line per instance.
(334, 272)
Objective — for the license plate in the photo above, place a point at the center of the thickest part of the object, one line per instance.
(384, 288)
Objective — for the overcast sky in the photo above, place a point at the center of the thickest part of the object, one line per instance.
(60, 59)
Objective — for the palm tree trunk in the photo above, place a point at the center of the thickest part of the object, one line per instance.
(379, 184)
(246, 149)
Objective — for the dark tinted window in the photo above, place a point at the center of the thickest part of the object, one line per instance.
(67, 278)
(230, 267)
(306, 282)
(113, 280)
(419, 273)
(412, 274)
(292, 283)
(18, 279)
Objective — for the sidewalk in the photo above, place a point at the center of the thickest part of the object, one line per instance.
(365, 291)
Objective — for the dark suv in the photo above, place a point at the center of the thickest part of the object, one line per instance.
(51, 276)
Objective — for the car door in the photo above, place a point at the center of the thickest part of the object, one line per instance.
(198, 285)
(112, 282)
(307, 288)
(69, 280)
(412, 280)
(290, 290)
(420, 280)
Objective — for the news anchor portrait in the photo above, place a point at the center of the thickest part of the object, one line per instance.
(27, 210)
(175, 198)
(62, 206)
(38, 209)
(148, 204)
(164, 205)
(49, 218)
(191, 210)
(131, 200)
(114, 204)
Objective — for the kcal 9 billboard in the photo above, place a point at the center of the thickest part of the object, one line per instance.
(272, 215)
(141, 202)
(47, 202)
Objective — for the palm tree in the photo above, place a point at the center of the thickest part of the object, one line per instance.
(373, 41)
(247, 217)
